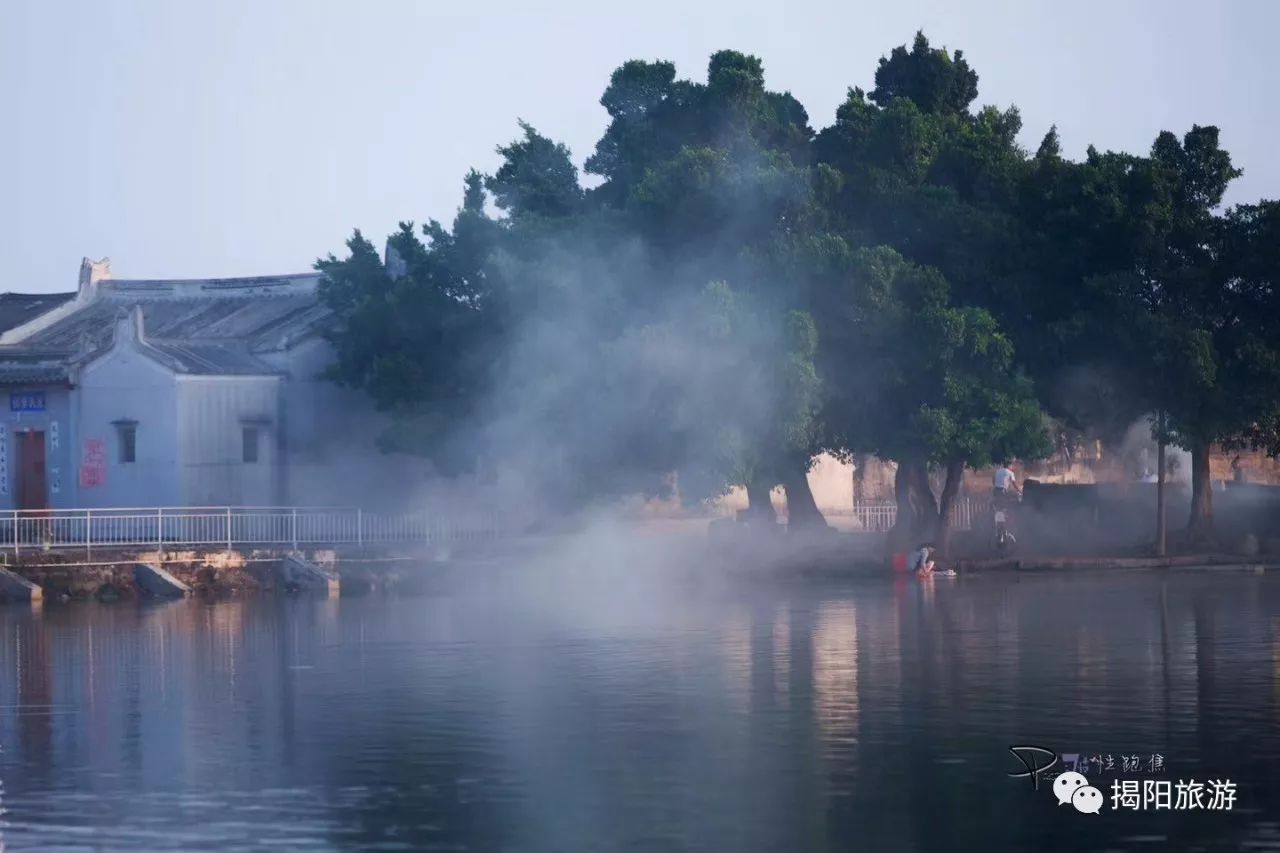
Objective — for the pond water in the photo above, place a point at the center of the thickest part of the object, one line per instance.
(515, 712)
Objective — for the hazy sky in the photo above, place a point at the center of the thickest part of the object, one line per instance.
(243, 137)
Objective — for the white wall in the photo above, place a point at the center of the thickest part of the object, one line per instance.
(212, 412)
(122, 385)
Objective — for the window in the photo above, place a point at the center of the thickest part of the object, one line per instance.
(126, 441)
(249, 443)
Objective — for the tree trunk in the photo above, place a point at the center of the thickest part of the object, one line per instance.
(759, 504)
(1200, 525)
(900, 533)
(917, 510)
(926, 507)
(802, 509)
(860, 475)
(951, 488)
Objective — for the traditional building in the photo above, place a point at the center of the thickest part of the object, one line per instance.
(186, 393)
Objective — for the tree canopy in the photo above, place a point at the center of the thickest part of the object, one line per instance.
(737, 292)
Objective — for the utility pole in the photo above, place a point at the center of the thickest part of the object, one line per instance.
(1160, 516)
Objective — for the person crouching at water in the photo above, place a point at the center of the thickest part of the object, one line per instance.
(922, 559)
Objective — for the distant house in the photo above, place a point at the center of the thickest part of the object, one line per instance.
(181, 393)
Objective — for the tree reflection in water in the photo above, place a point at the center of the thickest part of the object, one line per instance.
(807, 716)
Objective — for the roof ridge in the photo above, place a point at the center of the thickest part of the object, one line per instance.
(217, 280)
(202, 292)
(195, 340)
(261, 316)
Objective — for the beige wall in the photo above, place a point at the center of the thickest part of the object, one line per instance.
(831, 482)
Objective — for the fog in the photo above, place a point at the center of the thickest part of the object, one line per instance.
(622, 372)
(641, 331)
(1140, 452)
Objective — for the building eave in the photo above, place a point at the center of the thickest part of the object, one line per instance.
(195, 377)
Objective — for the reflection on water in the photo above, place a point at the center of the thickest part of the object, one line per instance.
(835, 673)
(873, 716)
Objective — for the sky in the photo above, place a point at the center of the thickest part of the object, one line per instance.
(188, 139)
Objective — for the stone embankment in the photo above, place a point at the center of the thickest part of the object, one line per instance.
(136, 574)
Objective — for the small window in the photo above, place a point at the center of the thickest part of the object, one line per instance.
(127, 443)
(249, 444)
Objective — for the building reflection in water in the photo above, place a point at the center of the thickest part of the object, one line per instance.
(782, 653)
(34, 700)
(835, 675)
(796, 720)
(735, 646)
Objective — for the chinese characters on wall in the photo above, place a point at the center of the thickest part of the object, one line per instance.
(26, 401)
(55, 472)
(93, 467)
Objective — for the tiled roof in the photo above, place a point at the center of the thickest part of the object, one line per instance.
(204, 326)
(263, 314)
(18, 308)
(221, 358)
(29, 367)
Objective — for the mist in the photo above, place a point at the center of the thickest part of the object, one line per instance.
(723, 293)
(1140, 452)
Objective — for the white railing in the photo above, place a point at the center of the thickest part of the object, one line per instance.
(232, 527)
(879, 516)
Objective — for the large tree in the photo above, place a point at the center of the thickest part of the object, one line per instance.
(1191, 304)
(1158, 294)
(710, 177)
(415, 329)
(908, 282)
(1026, 237)
(741, 392)
(922, 381)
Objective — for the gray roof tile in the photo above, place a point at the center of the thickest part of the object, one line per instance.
(32, 367)
(208, 326)
(222, 358)
(18, 308)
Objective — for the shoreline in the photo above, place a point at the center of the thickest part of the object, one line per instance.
(1208, 562)
(125, 574)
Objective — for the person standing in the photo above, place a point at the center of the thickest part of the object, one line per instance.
(1003, 481)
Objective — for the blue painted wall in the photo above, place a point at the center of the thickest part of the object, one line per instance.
(47, 409)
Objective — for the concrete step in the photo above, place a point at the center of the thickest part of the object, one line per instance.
(157, 583)
(297, 571)
(17, 588)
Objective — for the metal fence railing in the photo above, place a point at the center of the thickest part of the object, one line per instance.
(232, 527)
(879, 516)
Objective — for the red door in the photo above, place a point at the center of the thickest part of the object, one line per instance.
(33, 492)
